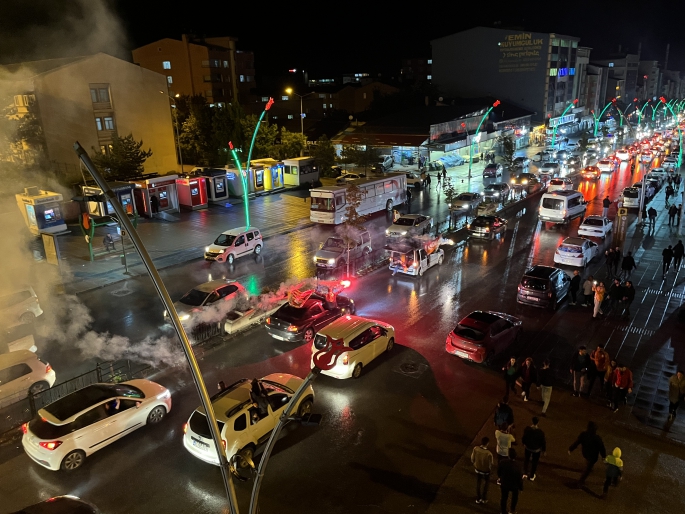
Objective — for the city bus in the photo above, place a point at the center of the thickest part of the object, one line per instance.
(382, 193)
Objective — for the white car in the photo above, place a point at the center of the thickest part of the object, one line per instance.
(242, 425)
(659, 173)
(670, 163)
(365, 338)
(576, 251)
(552, 168)
(349, 177)
(646, 156)
(559, 184)
(595, 226)
(22, 372)
(607, 165)
(414, 179)
(630, 197)
(20, 306)
(204, 296)
(409, 225)
(466, 201)
(623, 155)
(235, 243)
(67, 431)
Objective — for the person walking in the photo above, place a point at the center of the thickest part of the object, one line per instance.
(614, 470)
(437, 185)
(587, 291)
(651, 213)
(622, 386)
(574, 287)
(600, 360)
(628, 297)
(617, 260)
(481, 457)
(511, 370)
(669, 193)
(627, 266)
(676, 393)
(511, 482)
(672, 212)
(535, 445)
(678, 252)
(608, 375)
(591, 446)
(615, 294)
(599, 291)
(606, 203)
(428, 181)
(504, 439)
(444, 173)
(609, 262)
(545, 385)
(529, 376)
(579, 366)
(504, 415)
(667, 256)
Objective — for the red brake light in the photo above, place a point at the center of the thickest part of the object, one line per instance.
(268, 321)
(48, 368)
(345, 360)
(25, 428)
(185, 428)
(52, 445)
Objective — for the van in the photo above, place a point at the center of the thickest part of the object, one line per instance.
(562, 206)
(235, 243)
(631, 197)
(22, 372)
(543, 286)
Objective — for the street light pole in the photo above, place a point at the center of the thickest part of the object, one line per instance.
(178, 137)
(497, 102)
(290, 91)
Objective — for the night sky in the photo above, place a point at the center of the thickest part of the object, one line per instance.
(330, 38)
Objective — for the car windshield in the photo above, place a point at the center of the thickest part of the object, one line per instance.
(604, 161)
(334, 243)
(224, 240)
(481, 222)
(631, 193)
(290, 313)
(320, 203)
(556, 182)
(593, 221)
(405, 222)
(537, 284)
(469, 333)
(553, 203)
(198, 424)
(194, 298)
(495, 187)
(465, 196)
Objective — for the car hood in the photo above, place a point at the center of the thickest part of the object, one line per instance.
(328, 254)
(400, 228)
(182, 308)
(216, 248)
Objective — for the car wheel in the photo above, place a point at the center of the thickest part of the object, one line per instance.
(420, 272)
(305, 407)
(309, 335)
(440, 260)
(388, 206)
(357, 371)
(230, 258)
(73, 460)
(258, 249)
(156, 415)
(27, 318)
(39, 387)
(246, 459)
(391, 343)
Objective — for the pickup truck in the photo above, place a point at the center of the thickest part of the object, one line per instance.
(334, 253)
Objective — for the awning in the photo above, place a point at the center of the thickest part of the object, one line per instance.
(382, 139)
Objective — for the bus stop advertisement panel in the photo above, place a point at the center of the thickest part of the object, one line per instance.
(41, 210)
(192, 193)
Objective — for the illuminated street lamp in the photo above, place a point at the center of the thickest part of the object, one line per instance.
(554, 133)
(639, 115)
(680, 131)
(178, 139)
(291, 92)
(476, 134)
(613, 102)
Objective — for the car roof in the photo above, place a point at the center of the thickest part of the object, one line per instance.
(224, 402)
(78, 401)
(414, 216)
(210, 286)
(348, 326)
(16, 357)
(565, 192)
(239, 230)
(577, 241)
(540, 271)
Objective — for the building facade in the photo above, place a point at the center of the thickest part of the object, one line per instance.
(417, 69)
(536, 71)
(211, 67)
(597, 78)
(90, 100)
(623, 72)
(647, 80)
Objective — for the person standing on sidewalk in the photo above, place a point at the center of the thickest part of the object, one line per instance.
(511, 373)
(615, 295)
(678, 252)
(535, 445)
(669, 193)
(504, 439)
(504, 416)
(608, 375)
(511, 481)
(609, 262)
(545, 385)
(614, 470)
(574, 287)
(579, 365)
(622, 386)
(600, 361)
(437, 185)
(587, 291)
(651, 213)
(672, 212)
(676, 393)
(617, 260)
(600, 292)
(628, 297)
(481, 457)
(627, 266)
(444, 173)
(591, 446)
(667, 256)
(529, 376)
(606, 203)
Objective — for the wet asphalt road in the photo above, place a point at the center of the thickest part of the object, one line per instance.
(387, 440)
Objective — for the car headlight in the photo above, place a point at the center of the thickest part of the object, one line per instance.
(184, 317)
(206, 249)
(163, 396)
(314, 258)
(331, 261)
(404, 233)
(496, 194)
(166, 313)
(513, 181)
(387, 231)
(524, 182)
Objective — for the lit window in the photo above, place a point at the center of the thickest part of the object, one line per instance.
(274, 117)
(166, 65)
(103, 149)
(94, 95)
(552, 72)
(324, 95)
(98, 123)
(330, 105)
(290, 116)
(265, 99)
(242, 78)
(324, 106)
(285, 97)
(571, 71)
(364, 96)
(225, 64)
(169, 79)
(103, 93)
(611, 65)
(430, 61)
(109, 123)
(429, 77)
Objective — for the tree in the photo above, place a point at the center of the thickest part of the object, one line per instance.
(193, 141)
(124, 160)
(266, 137)
(348, 155)
(508, 150)
(226, 127)
(292, 145)
(351, 228)
(584, 141)
(324, 154)
(450, 195)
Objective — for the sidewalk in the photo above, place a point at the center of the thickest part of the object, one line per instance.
(174, 242)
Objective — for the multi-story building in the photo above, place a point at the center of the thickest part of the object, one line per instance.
(417, 69)
(672, 86)
(580, 84)
(536, 71)
(647, 80)
(211, 67)
(623, 72)
(90, 100)
(597, 78)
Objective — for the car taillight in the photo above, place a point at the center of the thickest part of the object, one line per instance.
(268, 321)
(345, 359)
(223, 443)
(292, 328)
(185, 428)
(25, 428)
(48, 368)
(52, 445)
(549, 294)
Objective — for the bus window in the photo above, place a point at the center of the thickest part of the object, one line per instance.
(322, 204)
(379, 189)
(388, 186)
(370, 191)
(339, 200)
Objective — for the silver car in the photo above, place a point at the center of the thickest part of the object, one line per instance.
(498, 192)
(466, 201)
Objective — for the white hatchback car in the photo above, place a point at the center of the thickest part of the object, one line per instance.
(67, 431)
(22, 372)
(576, 251)
(559, 184)
(595, 226)
(365, 338)
(242, 425)
(20, 306)
(235, 243)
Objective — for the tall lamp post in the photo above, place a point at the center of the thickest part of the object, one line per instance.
(178, 138)
(477, 133)
(680, 131)
(554, 133)
(291, 92)
(640, 112)
(613, 101)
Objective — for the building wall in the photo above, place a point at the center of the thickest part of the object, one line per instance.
(358, 99)
(507, 64)
(153, 56)
(68, 113)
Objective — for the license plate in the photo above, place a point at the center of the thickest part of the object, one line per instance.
(463, 355)
(199, 444)
(535, 299)
(278, 337)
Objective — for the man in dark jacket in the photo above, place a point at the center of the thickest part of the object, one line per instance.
(504, 416)
(628, 297)
(511, 373)
(606, 203)
(545, 383)
(511, 481)
(579, 365)
(535, 445)
(667, 256)
(609, 257)
(628, 265)
(574, 287)
(672, 212)
(678, 252)
(529, 376)
(591, 446)
(614, 295)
